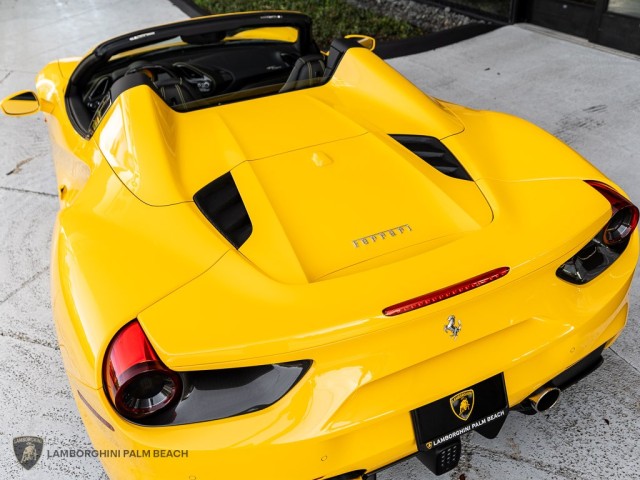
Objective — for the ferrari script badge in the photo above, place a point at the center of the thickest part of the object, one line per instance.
(373, 238)
(462, 404)
(453, 328)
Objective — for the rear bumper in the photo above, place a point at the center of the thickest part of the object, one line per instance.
(569, 377)
(352, 410)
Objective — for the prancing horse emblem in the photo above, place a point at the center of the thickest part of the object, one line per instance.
(452, 328)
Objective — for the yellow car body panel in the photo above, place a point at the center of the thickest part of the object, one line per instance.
(165, 156)
(284, 34)
(344, 418)
(317, 171)
(306, 316)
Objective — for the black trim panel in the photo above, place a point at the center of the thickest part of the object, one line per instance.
(435, 153)
(216, 394)
(220, 202)
(580, 370)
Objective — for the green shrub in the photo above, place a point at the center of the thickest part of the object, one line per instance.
(331, 18)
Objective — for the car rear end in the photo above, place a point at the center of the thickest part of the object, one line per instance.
(377, 386)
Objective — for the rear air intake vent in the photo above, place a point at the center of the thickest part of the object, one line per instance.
(222, 204)
(432, 151)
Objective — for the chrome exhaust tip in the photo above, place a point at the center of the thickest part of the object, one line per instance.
(543, 399)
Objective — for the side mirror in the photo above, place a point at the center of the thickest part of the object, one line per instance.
(366, 41)
(21, 103)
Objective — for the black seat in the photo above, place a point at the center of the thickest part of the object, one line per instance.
(307, 71)
(176, 92)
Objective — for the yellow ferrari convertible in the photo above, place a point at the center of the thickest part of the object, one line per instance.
(281, 263)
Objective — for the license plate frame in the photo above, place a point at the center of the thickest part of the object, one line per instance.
(447, 418)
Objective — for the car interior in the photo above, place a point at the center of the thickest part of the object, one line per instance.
(203, 63)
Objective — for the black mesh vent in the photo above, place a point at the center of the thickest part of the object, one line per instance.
(432, 151)
(222, 204)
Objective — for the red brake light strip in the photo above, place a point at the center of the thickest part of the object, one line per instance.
(444, 293)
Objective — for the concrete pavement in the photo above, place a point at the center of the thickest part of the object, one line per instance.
(586, 96)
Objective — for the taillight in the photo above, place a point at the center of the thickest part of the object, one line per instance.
(608, 244)
(137, 382)
(624, 217)
(444, 293)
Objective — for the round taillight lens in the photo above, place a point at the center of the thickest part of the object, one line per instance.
(137, 382)
(624, 214)
(621, 225)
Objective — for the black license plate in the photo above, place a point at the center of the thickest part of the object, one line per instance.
(482, 407)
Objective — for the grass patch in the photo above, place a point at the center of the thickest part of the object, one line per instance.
(331, 18)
